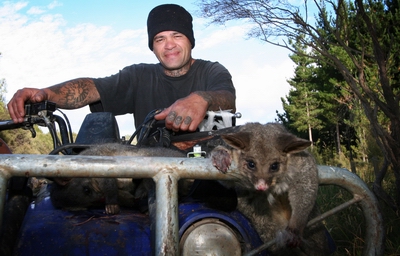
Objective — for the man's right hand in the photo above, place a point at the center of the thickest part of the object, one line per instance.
(16, 106)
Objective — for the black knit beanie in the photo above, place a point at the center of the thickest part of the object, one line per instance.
(169, 17)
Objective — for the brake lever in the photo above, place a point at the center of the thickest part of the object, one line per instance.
(32, 130)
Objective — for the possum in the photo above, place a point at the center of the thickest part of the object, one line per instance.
(83, 193)
(277, 184)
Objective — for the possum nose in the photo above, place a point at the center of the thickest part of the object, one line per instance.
(261, 185)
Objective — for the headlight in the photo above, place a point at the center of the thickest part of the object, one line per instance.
(210, 237)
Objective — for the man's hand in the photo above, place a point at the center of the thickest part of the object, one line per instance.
(16, 106)
(185, 114)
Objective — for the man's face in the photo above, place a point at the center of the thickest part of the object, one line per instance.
(172, 49)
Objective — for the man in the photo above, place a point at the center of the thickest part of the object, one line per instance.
(185, 87)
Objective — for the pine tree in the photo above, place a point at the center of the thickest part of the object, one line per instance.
(302, 102)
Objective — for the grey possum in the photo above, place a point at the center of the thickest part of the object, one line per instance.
(277, 184)
(83, 193)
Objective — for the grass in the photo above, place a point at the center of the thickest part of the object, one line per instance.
(347, 227)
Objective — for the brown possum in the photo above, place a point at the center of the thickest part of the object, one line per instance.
(277, 184)
(82, 193)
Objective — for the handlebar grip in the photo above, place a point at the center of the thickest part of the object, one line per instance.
(9, 124)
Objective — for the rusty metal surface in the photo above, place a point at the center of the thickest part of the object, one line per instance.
(167, 225)
(166, 172)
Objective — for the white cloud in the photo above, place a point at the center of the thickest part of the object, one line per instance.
(53, 5)
(11, 8)
(35, 10)
(213, 36)
(259, 90)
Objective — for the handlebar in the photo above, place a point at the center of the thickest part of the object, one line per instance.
(42, 114)
(35, 113)
(9, 125)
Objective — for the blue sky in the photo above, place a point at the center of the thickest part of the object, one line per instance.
(121, 14)
(44, 42)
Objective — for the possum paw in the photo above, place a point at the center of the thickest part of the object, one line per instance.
(288, 238)
(112, 208)
(221, 159)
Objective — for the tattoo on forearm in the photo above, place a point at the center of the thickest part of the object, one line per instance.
(218, 99)
(75, 93)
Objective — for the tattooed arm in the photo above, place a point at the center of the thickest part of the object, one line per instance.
(186, 114)
(72, 94)
(218, 100)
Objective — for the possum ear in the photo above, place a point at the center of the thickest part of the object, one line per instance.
(62, 181)
(240, 140)
(292, 144)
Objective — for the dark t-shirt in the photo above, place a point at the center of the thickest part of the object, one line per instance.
(141, 88)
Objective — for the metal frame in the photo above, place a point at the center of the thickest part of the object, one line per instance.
(166, 172)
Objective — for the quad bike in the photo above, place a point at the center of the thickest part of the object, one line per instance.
(33, 226)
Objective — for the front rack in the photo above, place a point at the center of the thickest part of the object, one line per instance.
(166, 172)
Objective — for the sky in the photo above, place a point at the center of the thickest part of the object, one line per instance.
(46, 42)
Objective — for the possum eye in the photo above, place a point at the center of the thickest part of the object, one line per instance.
(251, 165)
(87, 190)
(274, 167)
